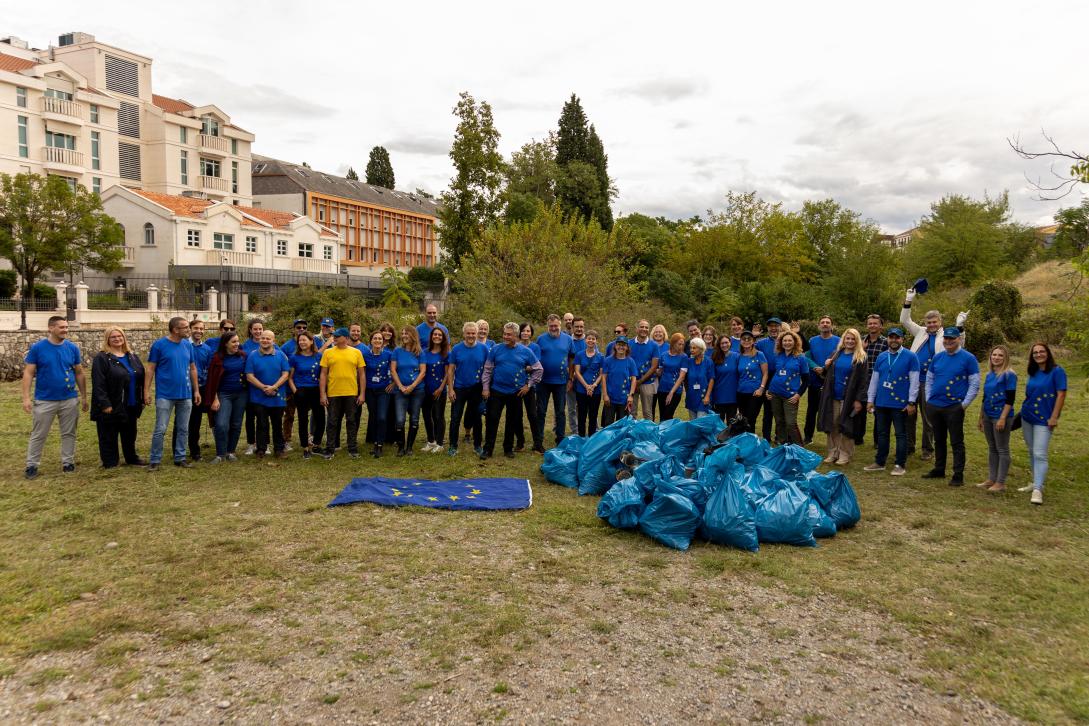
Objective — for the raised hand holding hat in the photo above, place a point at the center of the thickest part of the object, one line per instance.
(962, 317)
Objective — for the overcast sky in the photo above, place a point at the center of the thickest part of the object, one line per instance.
(882, 107)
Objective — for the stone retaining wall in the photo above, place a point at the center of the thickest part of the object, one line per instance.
(14, 345)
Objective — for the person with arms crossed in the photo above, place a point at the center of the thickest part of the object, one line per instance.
(952, 382)
(464, 387)
(170, 364)
(267, 371)
(894, 388)
(1045, 396)
(60, 387)
(510, 373)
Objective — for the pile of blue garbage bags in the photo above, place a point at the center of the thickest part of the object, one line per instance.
(679, 480)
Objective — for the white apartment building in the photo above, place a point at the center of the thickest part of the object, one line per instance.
(85, 110)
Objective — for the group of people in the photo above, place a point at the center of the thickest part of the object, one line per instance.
(254, 385)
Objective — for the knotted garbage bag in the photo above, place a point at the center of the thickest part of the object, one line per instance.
(561, 464)
(729, 517)
(783, 516)
(623, 504)
(671, 518)
(835, 494)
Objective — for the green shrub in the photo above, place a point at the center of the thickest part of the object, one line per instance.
(982, 335)
(7, 283)
(430, 277)
(41, 291)
(1001, 302)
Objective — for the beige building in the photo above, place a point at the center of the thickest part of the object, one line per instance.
(85, 110)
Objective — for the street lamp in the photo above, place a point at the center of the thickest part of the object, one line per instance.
(22, 292)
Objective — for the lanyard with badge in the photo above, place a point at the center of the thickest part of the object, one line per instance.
(892, 367)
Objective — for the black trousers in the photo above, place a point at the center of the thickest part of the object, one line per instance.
(587, 406)
(768, 421)
(666, 410)
(109, 432)
(529, 402)
(613, 412)
(558, 393)
(512, 404)
(307, 403)
(750, 406)
(948, 423)
(725, 411)
(434, 415)
(812, 408)
(266, 418)
(342, 407)
(195, 419)
(467, 403)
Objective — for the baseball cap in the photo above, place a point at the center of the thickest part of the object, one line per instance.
(299, 320)
(340, 332)
(777, 321)
(898, 332)
(951, 333)
(747, 334)
(327, 323)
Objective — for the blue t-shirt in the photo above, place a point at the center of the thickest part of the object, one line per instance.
(590, 368)
(618, 374)
(994, 393)
(378, 372)
(841, 373)
(786, 378)
(424, 330)
(950, 377)
(926, 354)
(307, 369)
(894, 378)
(663, 348)
(172, 361)
(555, 354)
(408, 365)
(725, 390)
(671, 367)
(696, 382)
(250, 346)
(1040, 393)
(643, 354)
(766, 345)
(821, 349)
(267, 369)
(234, 369)
(579, 343)
(291, 346)
(436, 370)
(749, 375)
(202, 357)
(55, 379)
(509, 367)
(468, 362)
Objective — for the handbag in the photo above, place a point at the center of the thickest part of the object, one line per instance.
(1016, 423)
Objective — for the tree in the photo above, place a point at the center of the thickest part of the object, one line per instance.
(531, 179)
(641, 242)
(380, 169)
(397, 290)
(351, 175)
(583, 186)
(1063, 182)
(473, 200)
(46, 225)
(1073, 233)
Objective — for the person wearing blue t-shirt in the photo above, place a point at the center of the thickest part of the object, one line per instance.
(431, 321)
(53, 365)
(436, 357)
(996, 417)
(483, 328)
(203, 351)
(557, 351)
(672, 368)
(1045, 396)
(843, 398)
(578, 337)
(752, 380)
(171, 366)
(408, 371)
(464, 387)
(378, 359)
(789, 380)
(894, 388)
(699, 380)
(510, 373)
(766, 345)
(229, 394)
(588, 364)
(821, 348)
(529, 401)
(726, 360)
(250, 343)
(289, 347)
(267, 371)
(305, 392)
(619, 374)
(644, 352)
(952, 382)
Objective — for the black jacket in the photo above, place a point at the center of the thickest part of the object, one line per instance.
(856, 390)
(110, 387)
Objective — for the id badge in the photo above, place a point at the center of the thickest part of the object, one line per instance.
(375, 379)
(695, 386)
(783, 371)
(887, 385)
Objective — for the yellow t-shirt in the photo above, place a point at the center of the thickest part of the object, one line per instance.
(343, 366)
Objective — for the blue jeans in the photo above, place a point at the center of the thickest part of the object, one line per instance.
(558, 393)
(883, 419)
(408, 405)
(232, 407)
(181, 407)
(1037, 439)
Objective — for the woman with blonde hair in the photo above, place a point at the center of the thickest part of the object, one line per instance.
(117, 381)
(408, 369)
(996, 415)
(843, 397)
(788, 382)
(673, 367)
(660, 335)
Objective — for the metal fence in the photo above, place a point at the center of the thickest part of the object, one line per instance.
(33, 305)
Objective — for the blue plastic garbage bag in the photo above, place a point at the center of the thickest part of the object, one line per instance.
(822, 524)
(751, 449)
(790, 460)
(835, 494)
(683, 438)
(759, 482)
(647, 450)
(729, 518)
(623, 504)
(561, 464)
(690, 488)
(599, 458)
(663, 469)
(783, 516)
(670, 518)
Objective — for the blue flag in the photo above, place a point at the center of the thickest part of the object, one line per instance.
(488, 494)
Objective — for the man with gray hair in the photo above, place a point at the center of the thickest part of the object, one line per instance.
(925, 344)
(510, 371)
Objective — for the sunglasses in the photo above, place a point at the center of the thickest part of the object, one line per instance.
(300, 327)
(618, 332)
(227, 330)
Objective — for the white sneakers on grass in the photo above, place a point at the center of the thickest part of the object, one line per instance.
(1037, 496)
(898, 471)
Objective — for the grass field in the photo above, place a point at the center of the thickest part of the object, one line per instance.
(107, 578)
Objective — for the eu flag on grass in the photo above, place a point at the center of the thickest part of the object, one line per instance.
(488, 493)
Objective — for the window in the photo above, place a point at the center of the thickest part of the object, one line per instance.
(251, 244)
(209, 126)
(185, 167)
(281, 247)
(223, 241)
(209, 167)
(149, 234)
(24, 150)
(234, 147)
(192, 238)
(96, 184)
(54, 93)
(234, 178)
(321, 214)
(351, 253)
(128, 158)
(306, 249)
(20, 97)
(70, 181)
(60, 141)
(328, 253)
(96, 161)
(183, 134)
(94, 113)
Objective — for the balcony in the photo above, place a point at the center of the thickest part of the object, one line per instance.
(212, 184)
(67, 160)
(59, 109)
(215, 145)
(231, 258)
(310, 264)
(129, 259)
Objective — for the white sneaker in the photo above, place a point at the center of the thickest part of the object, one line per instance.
(873, 467)
(898, 471)
(1037, 496)
(288, 447)
(1026, 488)
(249, 450)
(842, 461)
(830, 459)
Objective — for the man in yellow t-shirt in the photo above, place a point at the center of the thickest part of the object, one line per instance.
(342, 387)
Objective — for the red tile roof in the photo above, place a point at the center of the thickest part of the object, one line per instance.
(193, 207)
(275, 218)
(14, 63)
(171, 105)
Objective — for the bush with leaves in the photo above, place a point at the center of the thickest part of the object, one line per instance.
(982, 335)
(1001, 302)
(8, 282)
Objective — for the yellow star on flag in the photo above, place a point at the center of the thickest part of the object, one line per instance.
(432, 499)
(453, 497)
(396, 493)
(475, 491)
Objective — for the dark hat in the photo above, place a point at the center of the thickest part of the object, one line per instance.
(747, 334)
(327, 322)
(299, 320)
(951, 333)
(622, 339)
(898, 332)
(921, 286)
(340, 332)
(777, 321)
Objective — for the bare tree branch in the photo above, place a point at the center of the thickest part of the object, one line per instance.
(1067, 182)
